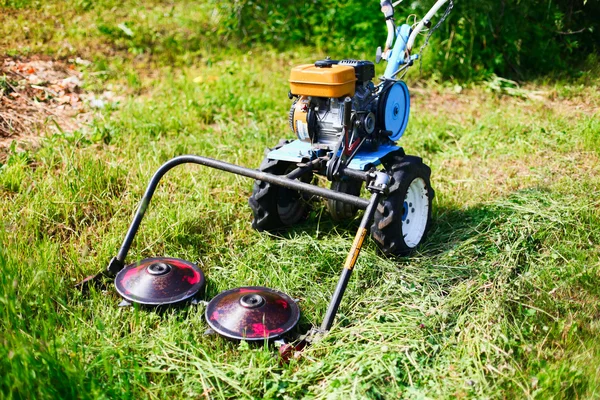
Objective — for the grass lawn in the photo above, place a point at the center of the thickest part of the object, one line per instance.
(502, 301)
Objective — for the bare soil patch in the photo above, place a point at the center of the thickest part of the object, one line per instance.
(39, 94)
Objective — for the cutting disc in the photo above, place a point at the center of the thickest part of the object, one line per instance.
(252, 313)
(159, 281)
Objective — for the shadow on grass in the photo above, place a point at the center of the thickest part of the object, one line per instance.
(451, 226)
(460, 241)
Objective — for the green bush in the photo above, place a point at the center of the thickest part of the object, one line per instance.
(511, 38)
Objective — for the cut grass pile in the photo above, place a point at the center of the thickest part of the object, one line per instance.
(502, 300)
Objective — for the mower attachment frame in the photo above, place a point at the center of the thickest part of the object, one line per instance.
(377, 183)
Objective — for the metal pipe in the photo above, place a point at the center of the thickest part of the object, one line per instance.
(347, 120)
(340, 289)
(421, 24)
(117, 262)
(298, 172)
(356, 174)
(377, 188)
(387, 9)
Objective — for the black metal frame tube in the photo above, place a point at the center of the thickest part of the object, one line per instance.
(303, 169)
(117, 263)
(356, 174)
(340, 289)
(347, 116)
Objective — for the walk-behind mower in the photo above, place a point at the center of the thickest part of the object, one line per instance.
(346, 128)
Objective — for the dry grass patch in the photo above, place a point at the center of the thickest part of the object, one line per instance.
(40, 95)
(488, 178)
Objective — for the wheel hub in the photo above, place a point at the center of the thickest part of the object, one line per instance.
(416, 209)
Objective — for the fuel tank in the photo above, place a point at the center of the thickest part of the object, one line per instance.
(332, 81)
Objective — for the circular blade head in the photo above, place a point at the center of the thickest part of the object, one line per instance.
(159, 281)
(252, 313)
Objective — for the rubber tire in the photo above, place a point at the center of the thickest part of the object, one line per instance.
(387, 222)
(274, 207)
(339, 210)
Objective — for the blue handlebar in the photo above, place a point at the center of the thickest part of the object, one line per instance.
(396, 58)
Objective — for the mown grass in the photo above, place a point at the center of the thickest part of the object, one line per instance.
(502, 301)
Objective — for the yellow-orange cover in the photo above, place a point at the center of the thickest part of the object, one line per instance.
(336, 81)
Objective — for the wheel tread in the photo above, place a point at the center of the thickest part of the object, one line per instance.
(386, 229)
(386, 221)
(339, 210)
(263, 201)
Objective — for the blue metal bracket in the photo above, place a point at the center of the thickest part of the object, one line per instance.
(298, 150)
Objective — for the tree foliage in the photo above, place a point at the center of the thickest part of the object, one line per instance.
(513, 38)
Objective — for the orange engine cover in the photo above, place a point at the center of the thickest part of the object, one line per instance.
(335, 81)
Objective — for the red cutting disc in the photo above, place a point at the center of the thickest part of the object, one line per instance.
(252, 313)
(159, 281)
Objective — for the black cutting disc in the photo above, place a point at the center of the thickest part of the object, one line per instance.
(252, 313)
(159, 281)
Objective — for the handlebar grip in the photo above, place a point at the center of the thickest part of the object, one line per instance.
(387, 9)
(426, 19)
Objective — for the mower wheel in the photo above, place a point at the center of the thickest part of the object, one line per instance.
(275, 207)
(339, 210)
(403, 217)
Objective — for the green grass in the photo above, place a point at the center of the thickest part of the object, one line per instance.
(502, 301)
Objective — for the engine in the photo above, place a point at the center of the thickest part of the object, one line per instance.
(316, 114)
